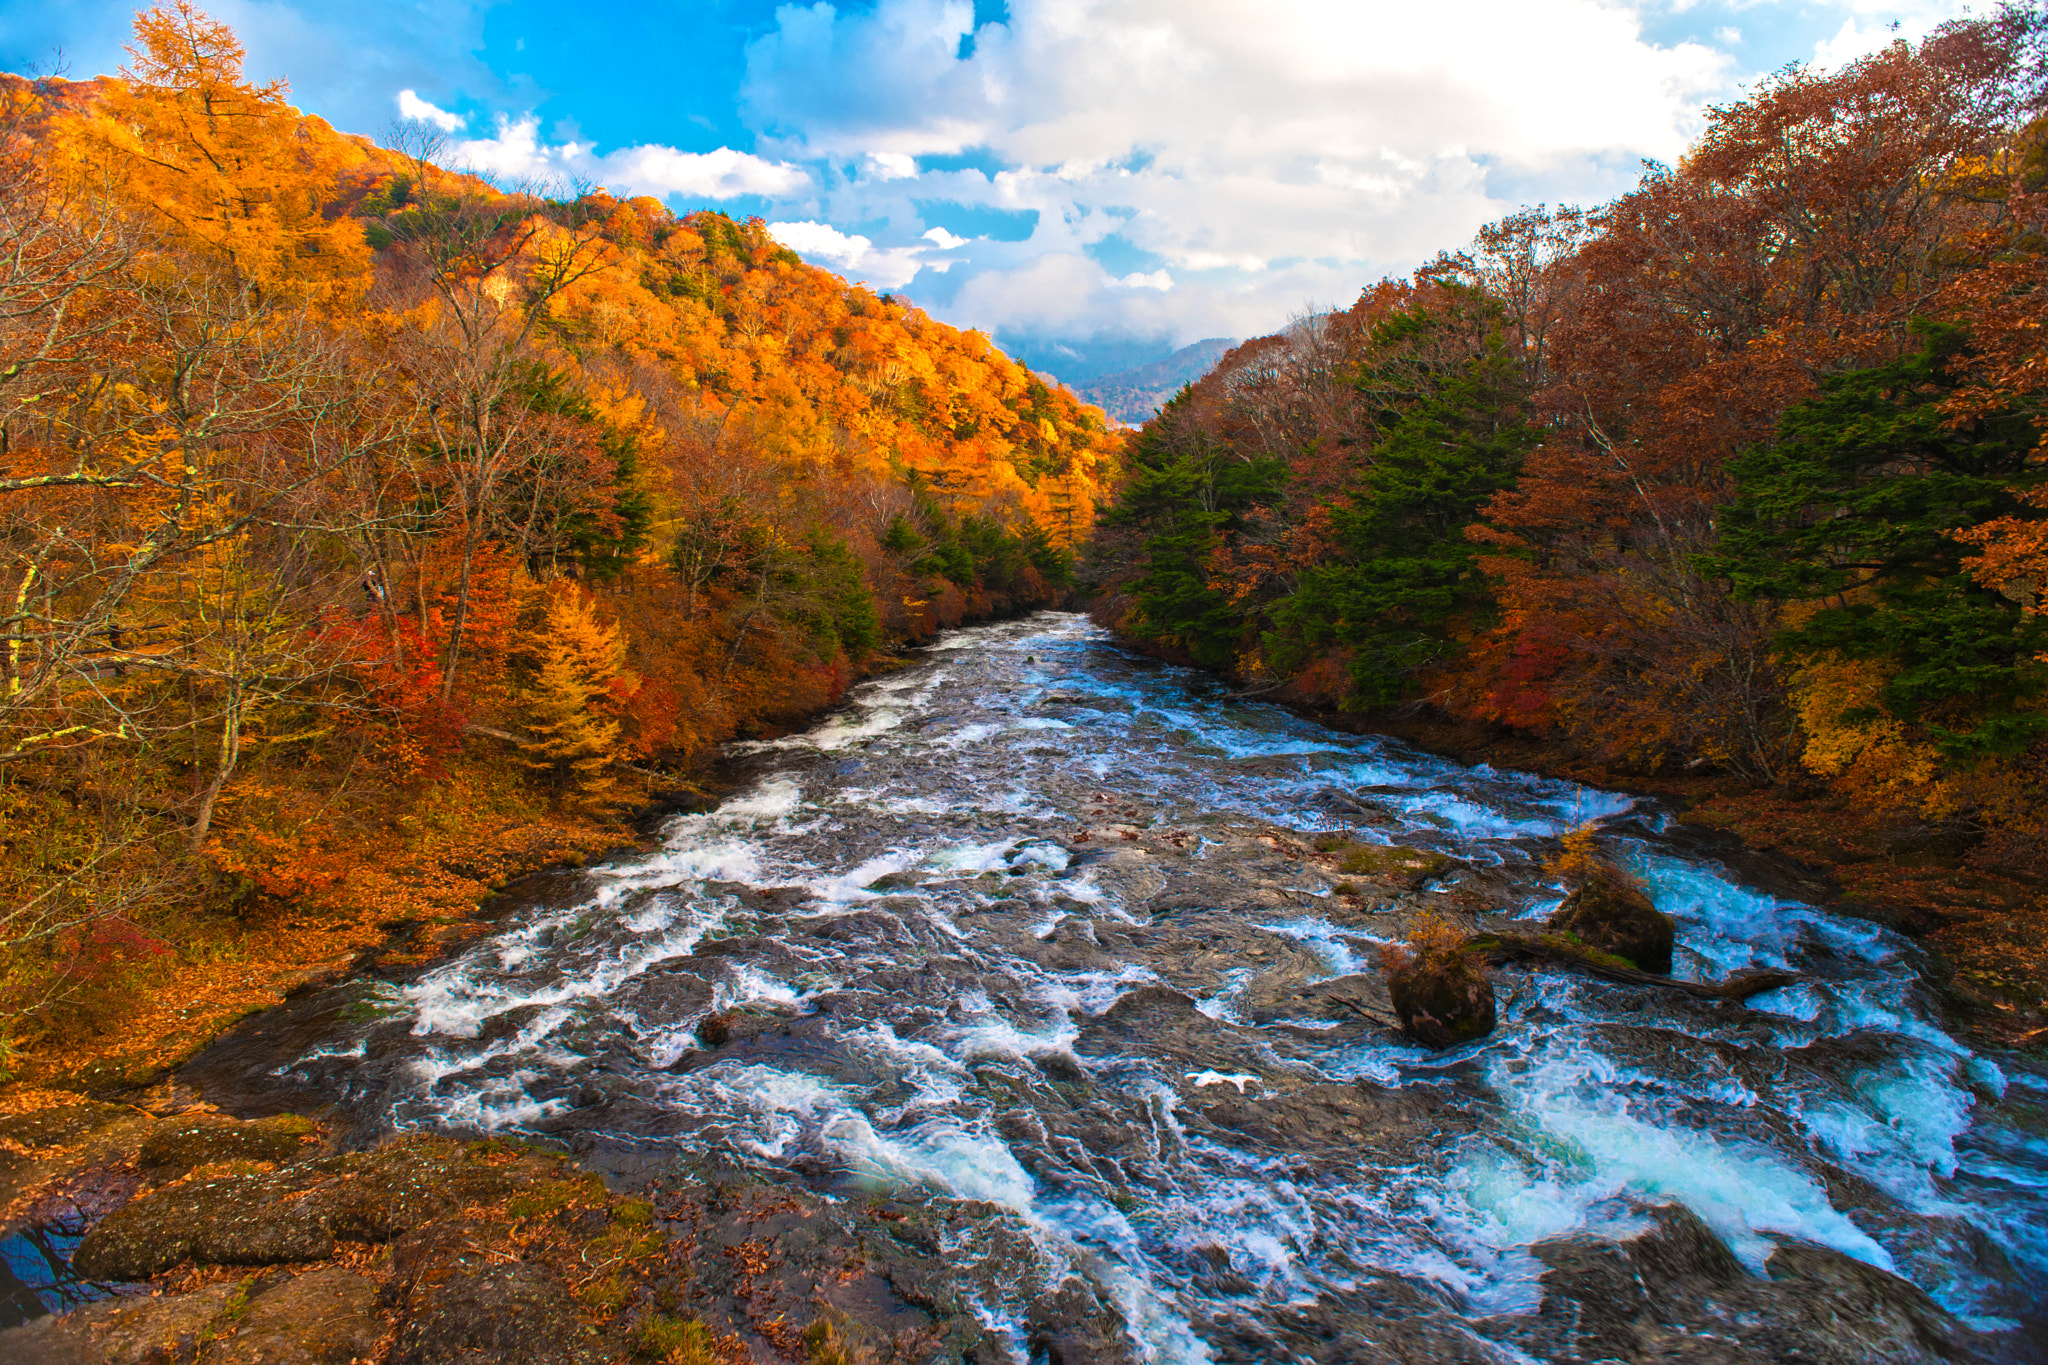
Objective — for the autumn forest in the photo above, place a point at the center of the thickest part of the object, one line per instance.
(373, 533)
(1737, 484)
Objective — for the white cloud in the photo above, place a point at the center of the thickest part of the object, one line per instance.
(821, 239)
(412, 107)
(891, 165)
(855, 256)
(1730, 35)
(1063, 294)
(1850, 42)
(517, 153)
(945, 240)
(1874, 24)
(1243, 145)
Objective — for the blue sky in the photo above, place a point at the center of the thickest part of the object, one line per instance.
(1079, 177)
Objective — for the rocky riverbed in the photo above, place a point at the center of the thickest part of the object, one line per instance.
(1034, 1008)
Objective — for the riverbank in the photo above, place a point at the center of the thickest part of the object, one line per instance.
(438, 865)
(265, 1243)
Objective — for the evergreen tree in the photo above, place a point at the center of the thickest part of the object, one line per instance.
(1185, 494)
(1855, 508)
(1453, 426)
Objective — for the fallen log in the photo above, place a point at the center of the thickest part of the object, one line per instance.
(1498, 948)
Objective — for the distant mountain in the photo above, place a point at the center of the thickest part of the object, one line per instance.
(1077, 362)
(1131, 396)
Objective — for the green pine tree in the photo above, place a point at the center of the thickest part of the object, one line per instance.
(1854, 509)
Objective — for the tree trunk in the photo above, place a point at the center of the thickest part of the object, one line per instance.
(230, 752)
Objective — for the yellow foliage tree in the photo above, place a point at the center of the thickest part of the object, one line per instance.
(1852, 742)
(580, 658)
(227, 164)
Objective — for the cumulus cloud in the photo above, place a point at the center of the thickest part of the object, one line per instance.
(517, 153)
(854, 256)
(1249, 144)
(411, 106)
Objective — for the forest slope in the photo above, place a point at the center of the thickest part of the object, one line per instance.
(369, 533)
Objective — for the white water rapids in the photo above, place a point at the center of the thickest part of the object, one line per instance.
(903, 893)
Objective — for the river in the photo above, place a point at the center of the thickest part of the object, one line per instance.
(1024, 922)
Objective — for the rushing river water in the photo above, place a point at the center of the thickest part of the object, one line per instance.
(939, 936)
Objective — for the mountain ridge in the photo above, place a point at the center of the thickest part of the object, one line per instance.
(1133, 396)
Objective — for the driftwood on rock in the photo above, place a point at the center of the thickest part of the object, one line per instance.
(1517, 948)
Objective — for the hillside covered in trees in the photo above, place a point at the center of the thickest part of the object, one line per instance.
(1742, 476)
(369, 532)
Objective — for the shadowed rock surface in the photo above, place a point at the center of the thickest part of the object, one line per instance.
(1443, 999)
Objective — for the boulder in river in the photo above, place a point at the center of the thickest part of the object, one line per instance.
(1610, 914)
(1442, 997)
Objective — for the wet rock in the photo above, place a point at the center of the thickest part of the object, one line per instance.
(716, 1029)
(1675, 1292)
(768, 1263)
(226, 1220)
(1070, 947)
(170, 1330)
(1074, 1325)
(515, 1314)
(1350, 806)
(180, 1146)
(325, 1317)
(1610, 915)
(1381, 1323)
(293, 1214)
(729, 1028)
(1341, 1123)
(1378, 1320)
(1442, 998)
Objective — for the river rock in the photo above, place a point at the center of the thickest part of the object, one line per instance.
(126, 1331)
(180, 1146)
(225, 1220)
(890, 1277)
(514, 1314)
(292, 1214)
(1442, 998)
(324, 1317)
(1674, 1291)
(53, 1143)
(1610, 915)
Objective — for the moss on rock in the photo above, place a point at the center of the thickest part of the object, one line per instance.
(296, 1213)
(181, 1146)
(1610, 914)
